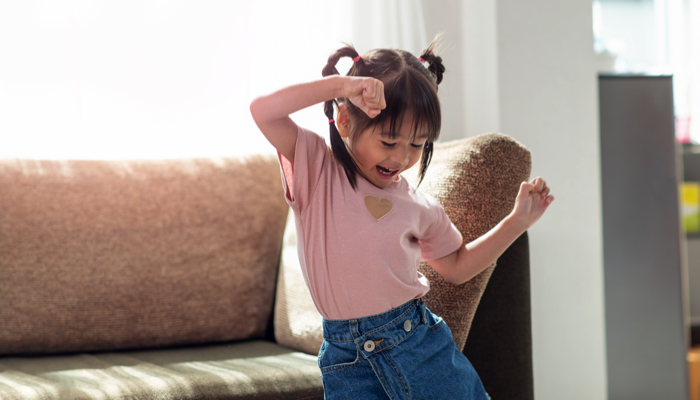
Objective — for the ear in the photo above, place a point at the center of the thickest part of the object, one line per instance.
(342, 121)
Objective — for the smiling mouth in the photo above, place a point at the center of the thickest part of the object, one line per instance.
(386, 173)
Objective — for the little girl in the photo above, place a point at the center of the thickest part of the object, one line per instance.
(362, 229)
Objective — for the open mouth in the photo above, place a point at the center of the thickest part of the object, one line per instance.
(387, 173)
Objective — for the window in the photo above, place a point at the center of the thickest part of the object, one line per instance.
(152, 79)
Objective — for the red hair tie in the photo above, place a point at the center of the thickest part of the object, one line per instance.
(330, 121)
(421, 59)
(356, 59)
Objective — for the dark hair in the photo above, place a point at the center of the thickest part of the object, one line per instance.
(409, 85)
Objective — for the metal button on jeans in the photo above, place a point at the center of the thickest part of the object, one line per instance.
(369, 346)
(407, 325)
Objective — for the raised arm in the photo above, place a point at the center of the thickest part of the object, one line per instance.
(469, 260)
(271, 112)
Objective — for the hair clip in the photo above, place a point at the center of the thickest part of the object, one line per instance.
(356, 59)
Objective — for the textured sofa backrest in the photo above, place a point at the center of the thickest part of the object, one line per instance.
(98, 255)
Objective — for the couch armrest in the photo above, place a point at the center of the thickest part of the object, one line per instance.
(500, 340)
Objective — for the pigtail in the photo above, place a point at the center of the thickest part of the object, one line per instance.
(436, 69)
(434, 61)
(425, 159)
(340, 151)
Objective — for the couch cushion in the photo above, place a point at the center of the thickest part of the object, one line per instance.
(113, 255)
(250, 370)
(298, 324)
(476, 181)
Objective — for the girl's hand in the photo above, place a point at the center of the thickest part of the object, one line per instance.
(366, 93)
(469, 260)
(532, 201)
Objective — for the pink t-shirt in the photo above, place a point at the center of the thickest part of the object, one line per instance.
(359, 250)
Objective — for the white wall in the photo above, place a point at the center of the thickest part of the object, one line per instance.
(528, 70)
(548, 101)
(469, 92)
(480, 57)
(443, 17)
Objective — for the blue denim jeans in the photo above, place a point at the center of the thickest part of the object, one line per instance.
(405, 353)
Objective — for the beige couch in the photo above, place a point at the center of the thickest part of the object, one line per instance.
(163, 280)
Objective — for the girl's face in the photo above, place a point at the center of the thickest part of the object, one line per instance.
(381, 156)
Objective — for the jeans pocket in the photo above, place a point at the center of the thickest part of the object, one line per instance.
(433, 321)
(334, 356)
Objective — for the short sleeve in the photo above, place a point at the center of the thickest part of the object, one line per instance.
(300, 179)
(441, 238)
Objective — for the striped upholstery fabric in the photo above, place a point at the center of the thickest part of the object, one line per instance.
(258, 370)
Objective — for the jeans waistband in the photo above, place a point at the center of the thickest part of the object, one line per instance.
(384, 325)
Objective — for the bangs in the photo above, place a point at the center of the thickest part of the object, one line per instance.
(410, 89)
(408, 93)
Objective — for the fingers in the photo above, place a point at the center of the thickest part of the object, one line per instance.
(373, 96)
(366, 93)
(538, 185)
(525, 188)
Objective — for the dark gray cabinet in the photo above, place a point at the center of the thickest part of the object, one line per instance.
(646, 329)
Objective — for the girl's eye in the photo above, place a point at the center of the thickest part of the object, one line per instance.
(416, 146)
(388, 144)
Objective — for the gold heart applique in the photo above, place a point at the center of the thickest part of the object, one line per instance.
(379, 208)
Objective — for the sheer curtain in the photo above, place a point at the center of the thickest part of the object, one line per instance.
(170, 79)
(389, 24)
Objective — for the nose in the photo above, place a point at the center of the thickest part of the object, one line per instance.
(400, 155)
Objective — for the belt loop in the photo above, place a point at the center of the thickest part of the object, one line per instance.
(354, 328)
(423, 310)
